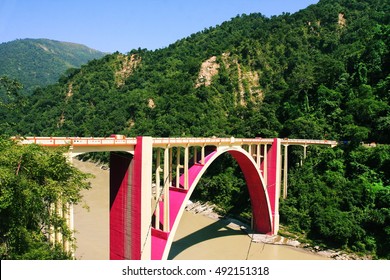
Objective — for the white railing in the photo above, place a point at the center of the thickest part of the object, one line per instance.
(210, 141)
(309, 142)
(162, 142)
(77, 141)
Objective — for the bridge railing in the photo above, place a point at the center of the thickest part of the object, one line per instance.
(161, 142)
(76, 141)
(104, 142)
(45, 141)
(238, 141)
(209, 141)
(308, 142)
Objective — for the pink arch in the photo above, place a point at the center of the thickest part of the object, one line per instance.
(178, 197)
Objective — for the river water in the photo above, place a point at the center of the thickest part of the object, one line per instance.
(198, 237)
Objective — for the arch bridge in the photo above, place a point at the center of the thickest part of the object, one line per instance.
(151, 180)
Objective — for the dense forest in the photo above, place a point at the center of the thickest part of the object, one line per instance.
(320, 73)
(40, 62)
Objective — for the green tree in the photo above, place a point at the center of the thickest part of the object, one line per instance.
(33, 180)
(11, 88)
(10, 104)
(340, 198)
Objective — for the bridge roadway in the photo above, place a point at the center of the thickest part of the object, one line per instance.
(162, 142)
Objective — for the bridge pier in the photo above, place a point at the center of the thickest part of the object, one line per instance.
(272, 170)
(130, 202)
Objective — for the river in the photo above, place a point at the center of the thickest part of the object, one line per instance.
(198, 237)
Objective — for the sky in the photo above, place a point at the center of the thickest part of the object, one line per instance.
(123, 25)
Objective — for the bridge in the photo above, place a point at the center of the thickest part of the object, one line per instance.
(151, 180)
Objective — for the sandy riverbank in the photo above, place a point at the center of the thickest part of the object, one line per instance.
(206, 209)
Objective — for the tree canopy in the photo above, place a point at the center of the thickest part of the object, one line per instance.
(33, 181)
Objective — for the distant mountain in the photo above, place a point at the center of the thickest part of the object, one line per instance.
(40, 62)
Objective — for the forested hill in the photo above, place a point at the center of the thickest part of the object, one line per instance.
(319, 73)
(40, 62)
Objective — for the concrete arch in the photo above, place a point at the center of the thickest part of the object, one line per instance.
(257, 190)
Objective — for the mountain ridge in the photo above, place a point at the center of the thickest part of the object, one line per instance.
(40, 62)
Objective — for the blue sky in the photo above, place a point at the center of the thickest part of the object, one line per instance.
(123, 25)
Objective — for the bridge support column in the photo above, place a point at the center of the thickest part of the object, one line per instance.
(166, 222)
(285, 171)
(272, 172)
(157, 194)
(130, 202)
(186, 160)
(202, 155)
(68, 214)
(265, 165)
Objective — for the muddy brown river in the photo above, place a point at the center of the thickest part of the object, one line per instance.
(198, 237)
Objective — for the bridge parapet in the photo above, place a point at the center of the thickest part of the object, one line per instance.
(76, 141)
(307, 142)
(167, 141)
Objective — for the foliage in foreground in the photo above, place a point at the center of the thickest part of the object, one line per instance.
(32, 180)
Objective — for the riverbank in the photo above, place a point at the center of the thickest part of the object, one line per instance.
(203, 234)
(207, 210)
(259, 246)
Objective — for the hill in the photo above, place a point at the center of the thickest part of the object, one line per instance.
(40, 62)
(319, 73)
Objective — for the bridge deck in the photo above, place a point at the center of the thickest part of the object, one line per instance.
(163, 142)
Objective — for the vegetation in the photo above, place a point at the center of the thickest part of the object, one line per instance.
(340, 198)
(224, 185)
(11, 103)
(321, 73)
(33, 180)
(35, 183)
(40, 62)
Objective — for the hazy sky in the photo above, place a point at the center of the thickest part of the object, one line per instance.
(120, 25)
